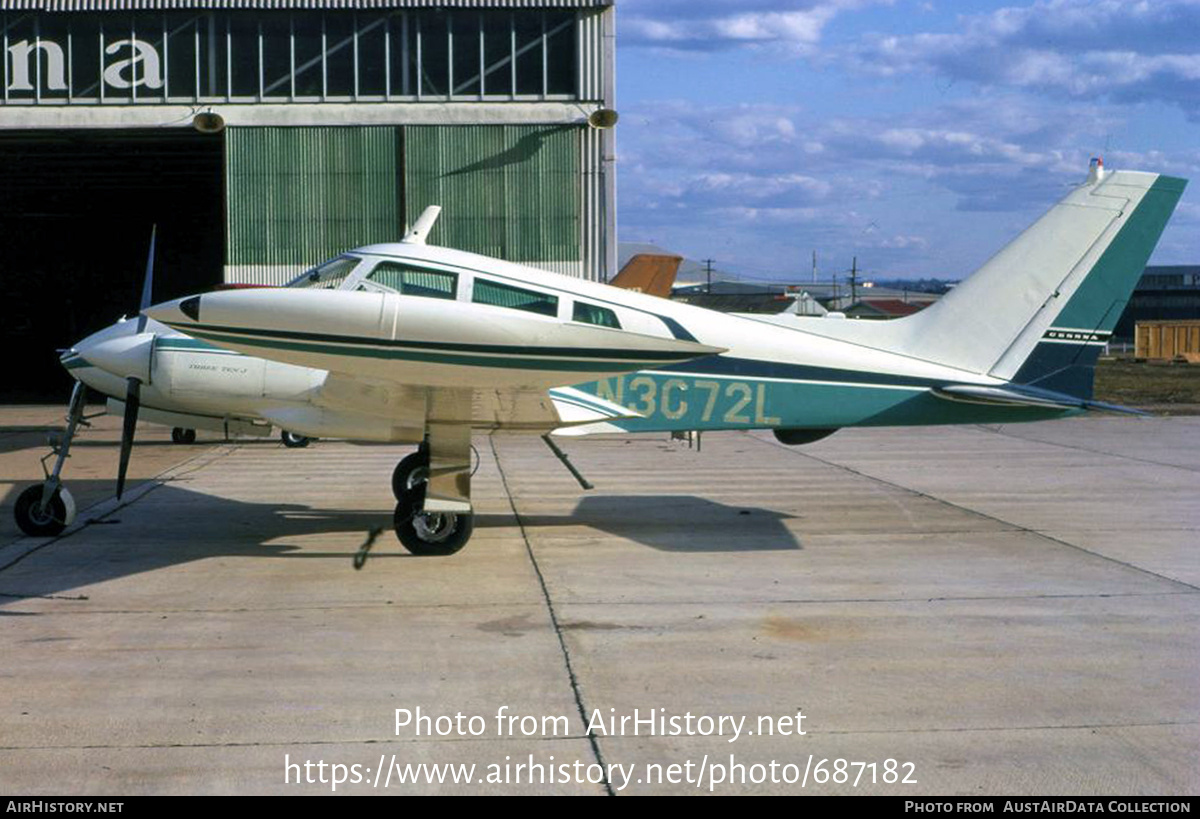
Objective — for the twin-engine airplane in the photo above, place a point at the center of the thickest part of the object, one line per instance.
(410, 343)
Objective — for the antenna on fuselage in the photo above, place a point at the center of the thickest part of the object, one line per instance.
(419, 232)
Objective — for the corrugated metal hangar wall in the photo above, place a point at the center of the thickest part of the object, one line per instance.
(299, 194)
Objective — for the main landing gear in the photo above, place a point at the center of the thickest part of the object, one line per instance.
(433, 509)
(46, 509)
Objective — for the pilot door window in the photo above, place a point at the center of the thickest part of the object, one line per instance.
(414, 281)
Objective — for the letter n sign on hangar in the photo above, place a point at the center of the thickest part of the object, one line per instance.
(263, 136)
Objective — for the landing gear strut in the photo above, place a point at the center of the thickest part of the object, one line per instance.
(48, 509)
(433, 512)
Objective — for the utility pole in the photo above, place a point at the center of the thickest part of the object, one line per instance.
(854, 280)
(708, 263)
(814, 267)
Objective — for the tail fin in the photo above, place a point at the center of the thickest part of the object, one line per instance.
(1039, 311)
(649, 273)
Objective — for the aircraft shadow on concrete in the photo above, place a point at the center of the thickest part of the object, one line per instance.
(676, 523)
(187, 526)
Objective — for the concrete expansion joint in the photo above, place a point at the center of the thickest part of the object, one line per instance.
(1003, 431)
(557, 625)
(983, 515)
(286, 743)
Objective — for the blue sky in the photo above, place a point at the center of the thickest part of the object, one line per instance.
(919, 136)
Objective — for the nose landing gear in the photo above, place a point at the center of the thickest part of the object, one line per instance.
(47, 509)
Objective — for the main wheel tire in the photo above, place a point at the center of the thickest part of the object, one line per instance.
(180, 435)
(293, 441)
(433, 533)
(36, 521)
(411, 472)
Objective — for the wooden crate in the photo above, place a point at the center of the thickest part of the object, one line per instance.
(1167, 340)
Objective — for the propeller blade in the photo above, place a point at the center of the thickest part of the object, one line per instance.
(147, 282)
(133, 402)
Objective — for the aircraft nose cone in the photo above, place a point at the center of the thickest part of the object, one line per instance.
(71, 359)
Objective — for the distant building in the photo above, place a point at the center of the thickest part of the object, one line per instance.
(875, 308)
(1164, 293)
(747, 297)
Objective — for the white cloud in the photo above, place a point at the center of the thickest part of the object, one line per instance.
(708, 25)
(1127, 50)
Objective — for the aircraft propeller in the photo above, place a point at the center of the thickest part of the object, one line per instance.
(133, 384)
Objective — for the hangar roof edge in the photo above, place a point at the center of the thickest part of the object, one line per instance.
(267, 5)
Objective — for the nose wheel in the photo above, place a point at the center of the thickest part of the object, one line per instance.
(40, 517)
(179, 435)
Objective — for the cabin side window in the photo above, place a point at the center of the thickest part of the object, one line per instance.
(414, 281)
(595, 314)
(516, 298)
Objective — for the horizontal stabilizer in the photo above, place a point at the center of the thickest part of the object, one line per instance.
(1019, 396)
(576, 407)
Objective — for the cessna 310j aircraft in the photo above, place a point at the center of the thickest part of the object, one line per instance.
(411, 343)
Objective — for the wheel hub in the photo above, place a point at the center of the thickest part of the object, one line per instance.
(41, 515)
(434, 527)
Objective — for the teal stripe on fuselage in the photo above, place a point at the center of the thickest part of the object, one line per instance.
(191, 345)
(363, 350)
(719, 392)
(676, 401)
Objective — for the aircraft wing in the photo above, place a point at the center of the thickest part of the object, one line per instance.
(349, 406)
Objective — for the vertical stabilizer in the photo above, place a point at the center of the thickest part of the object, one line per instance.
(1040, 310)
(650, 273)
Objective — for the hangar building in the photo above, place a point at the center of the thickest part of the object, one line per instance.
(263, 136)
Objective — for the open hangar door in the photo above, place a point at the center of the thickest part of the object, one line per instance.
(76, 211)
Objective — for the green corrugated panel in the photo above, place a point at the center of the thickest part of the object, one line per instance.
(510, 191)
(297, 196)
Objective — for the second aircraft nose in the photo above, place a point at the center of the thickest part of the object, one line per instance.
(176, 312)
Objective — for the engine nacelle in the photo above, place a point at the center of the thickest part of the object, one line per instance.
(317, 422)
(796, 437)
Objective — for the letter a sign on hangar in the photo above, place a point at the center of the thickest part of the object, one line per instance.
(133, 63)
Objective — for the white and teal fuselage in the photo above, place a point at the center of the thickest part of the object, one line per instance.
(1016, 342)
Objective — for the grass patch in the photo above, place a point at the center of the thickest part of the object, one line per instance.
(1134, 384)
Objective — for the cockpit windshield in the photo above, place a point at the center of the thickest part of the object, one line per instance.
(327, 276)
